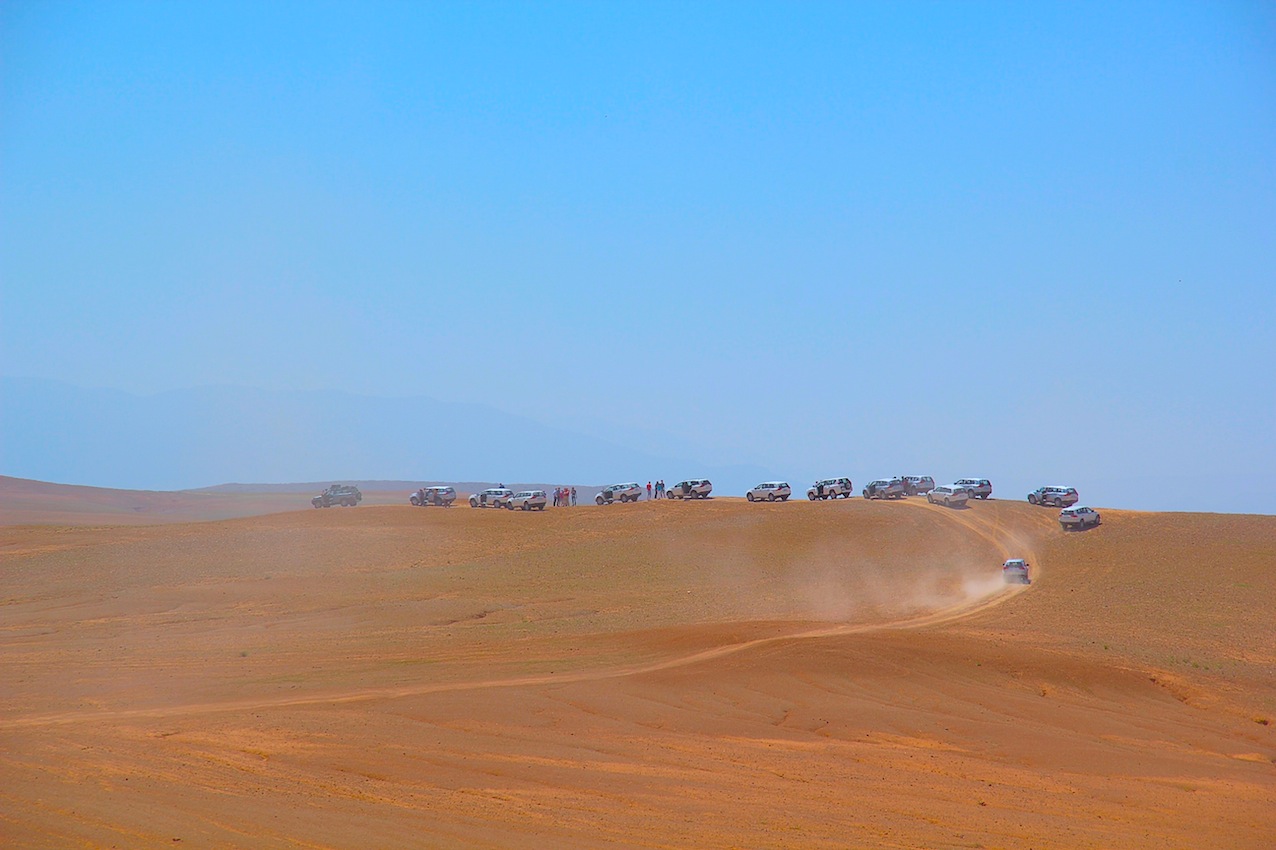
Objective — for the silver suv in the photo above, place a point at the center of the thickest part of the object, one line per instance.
(918, 485)
(885, 488)
(692, 488)
(619, 492)
(830, 488)
(976, 488)
(492, 497)
(1059, 497)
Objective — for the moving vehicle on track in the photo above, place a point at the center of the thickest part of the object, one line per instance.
(1059, 497)
(492, 497)
(528, 500)
(1079, 518)
(345, 495)
(1015, 571)
(976, 488)
(918, 485)
(831, 488)
(885, 488)
(619, 493)
(949, 495)
(440, 496)
(770, 491)
(692, 488)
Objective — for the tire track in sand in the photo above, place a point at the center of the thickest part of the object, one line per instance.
(985, 529)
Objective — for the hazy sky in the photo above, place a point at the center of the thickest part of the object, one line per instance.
(999, 234)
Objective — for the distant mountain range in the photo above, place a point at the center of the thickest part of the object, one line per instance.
(205, 436)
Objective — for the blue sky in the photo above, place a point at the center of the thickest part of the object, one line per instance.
(935, 236)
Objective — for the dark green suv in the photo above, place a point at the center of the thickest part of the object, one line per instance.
(346, 495)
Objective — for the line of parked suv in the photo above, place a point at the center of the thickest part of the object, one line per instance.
(959, 493)
(504, 497)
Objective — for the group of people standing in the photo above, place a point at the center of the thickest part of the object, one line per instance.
(564, 496)
(659, 492)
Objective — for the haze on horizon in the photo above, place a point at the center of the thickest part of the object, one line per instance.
(899, 237)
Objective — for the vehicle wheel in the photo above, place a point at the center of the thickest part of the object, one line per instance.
(811, 496)
(473, 503)
(1032, 500)
(749, 496)
(770, 497)
(784, 498)
(600, 500)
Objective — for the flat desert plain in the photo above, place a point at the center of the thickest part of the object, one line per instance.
(714, 674)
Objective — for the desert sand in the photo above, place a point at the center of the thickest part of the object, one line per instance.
(716, 674)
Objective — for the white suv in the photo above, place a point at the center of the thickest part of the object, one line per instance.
(948, 495)
(977, 488)
(492, 497)
(1079, 517)
(619, 492)
(692, 488)
(528, 500)
(770, 491)
(830, 488)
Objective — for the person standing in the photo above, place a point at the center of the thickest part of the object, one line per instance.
(573, 497)
(648, 491)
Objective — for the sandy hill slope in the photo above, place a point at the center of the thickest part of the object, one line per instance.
(27, 502)
(24, 501)
(659, 675)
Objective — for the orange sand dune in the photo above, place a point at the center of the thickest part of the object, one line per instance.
(659, 675)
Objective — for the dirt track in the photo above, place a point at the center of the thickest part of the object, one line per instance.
(657, 675)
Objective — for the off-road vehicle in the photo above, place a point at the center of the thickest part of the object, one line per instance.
(885, 488)
(1079, 518)
(1015, 571)
(619, 493)
(830, 488)
(441, 496)
(949, 495)
(692, 488)
(346, 495)
(918, 485)
(492, 497)
(978, 488)
(1059, 497)
(528, 500)
(770, 491)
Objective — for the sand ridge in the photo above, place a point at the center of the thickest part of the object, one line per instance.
(718, 675)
